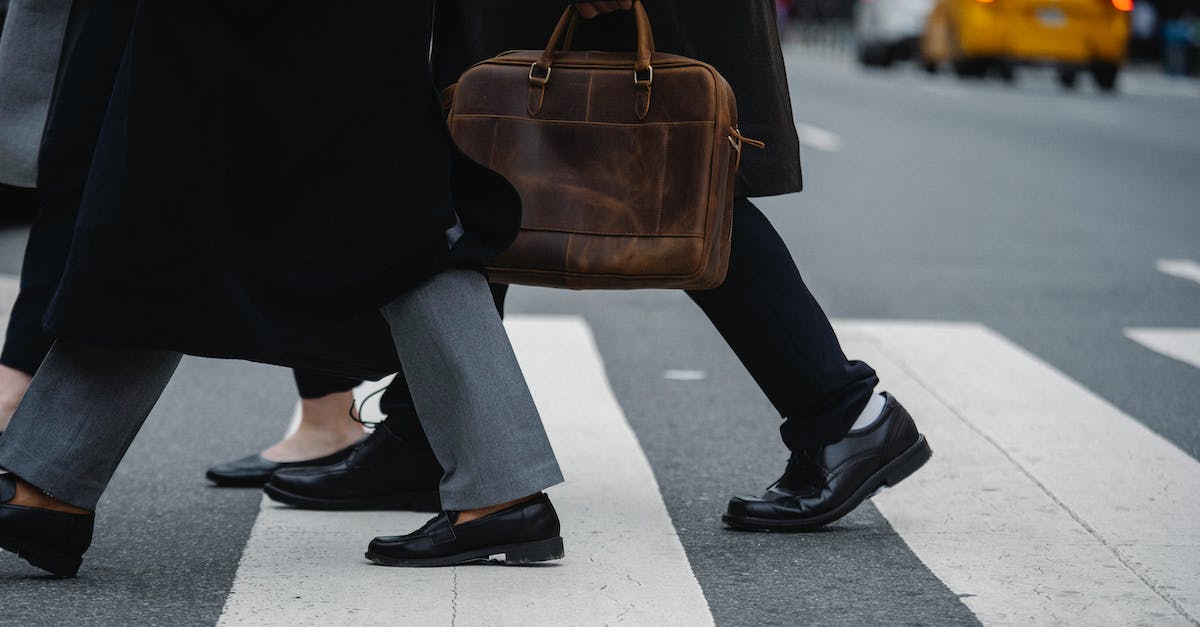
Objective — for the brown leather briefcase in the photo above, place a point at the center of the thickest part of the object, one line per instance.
(624, 162)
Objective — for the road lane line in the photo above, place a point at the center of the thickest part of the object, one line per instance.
(1043, 502)
(1180, 344)
(819, 138)
(1182, 268)
(624, 560)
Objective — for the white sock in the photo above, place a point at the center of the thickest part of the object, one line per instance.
(870, 413)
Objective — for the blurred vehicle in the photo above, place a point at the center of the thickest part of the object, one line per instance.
(888, 30)
(976, 36)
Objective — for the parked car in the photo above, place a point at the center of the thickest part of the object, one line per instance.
(888, 30)
(975, 36)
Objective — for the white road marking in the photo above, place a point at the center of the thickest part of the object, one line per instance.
(1182, 268)
(1181, 344)
(819, 138)
(624, 560)
(1043, 503)
(685, 375)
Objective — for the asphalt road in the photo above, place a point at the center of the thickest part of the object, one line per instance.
(1038, 213)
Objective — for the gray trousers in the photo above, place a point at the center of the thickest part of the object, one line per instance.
(87, 403)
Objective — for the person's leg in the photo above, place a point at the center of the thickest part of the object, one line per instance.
(82, 411)
(470, 394)
(481, 421)
(772, 322)
(95, 42)
(327, 434)
(327, 422)
(847, 442)
(394, 468)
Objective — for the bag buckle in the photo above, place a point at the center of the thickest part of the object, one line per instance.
(539, 80)
(637, 80)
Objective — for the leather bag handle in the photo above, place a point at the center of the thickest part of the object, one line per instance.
(564, 34)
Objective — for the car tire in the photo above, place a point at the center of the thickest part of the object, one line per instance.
(1105, 75)
(874, 55)
(1006, 73)
(970, 68)
(930, 67)
(1068, 78)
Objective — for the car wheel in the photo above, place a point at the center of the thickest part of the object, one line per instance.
(874, 55)
(970, 68)
(1068, 79)
(1105, 75)
(1007, 73)
(930, 67)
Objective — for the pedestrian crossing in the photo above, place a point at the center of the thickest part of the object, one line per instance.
(625, 562)
(1043, 504)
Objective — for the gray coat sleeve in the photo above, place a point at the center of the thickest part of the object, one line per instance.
(29, 56)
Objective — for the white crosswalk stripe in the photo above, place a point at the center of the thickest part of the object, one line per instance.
(624, 561)
(1044, 503)
(1182, 268)
(1180, 344)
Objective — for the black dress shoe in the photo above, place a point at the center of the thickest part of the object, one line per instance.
(254, 471)
(52, 541)
(525, 533)
(384, 472)
(822, 485)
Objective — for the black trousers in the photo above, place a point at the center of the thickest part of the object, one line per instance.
(772, 322)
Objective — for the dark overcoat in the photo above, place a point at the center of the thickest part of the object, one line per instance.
(269, 174)
(740, 38)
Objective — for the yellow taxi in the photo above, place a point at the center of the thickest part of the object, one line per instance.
(975, 36)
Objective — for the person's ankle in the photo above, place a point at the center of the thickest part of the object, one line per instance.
(468, 515)
(29, 496)
(331, 408)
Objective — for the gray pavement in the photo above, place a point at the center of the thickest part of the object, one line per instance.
(1038, 213)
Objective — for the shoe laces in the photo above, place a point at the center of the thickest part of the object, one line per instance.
(803, 471)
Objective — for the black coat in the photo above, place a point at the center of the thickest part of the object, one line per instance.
(738, 37)
(269, 174)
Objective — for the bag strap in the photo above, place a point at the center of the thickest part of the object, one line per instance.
(564, 35)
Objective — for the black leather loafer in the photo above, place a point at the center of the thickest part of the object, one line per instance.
(384, 472)
(522, 534)
(822, 485)
(255, 470)
(52, 541)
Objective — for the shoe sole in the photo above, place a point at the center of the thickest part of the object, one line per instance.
(236, 482)
(60, 564)
(890, 475)
(506, 554)
(420, 501)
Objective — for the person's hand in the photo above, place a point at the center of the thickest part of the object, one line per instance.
(591, 9)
